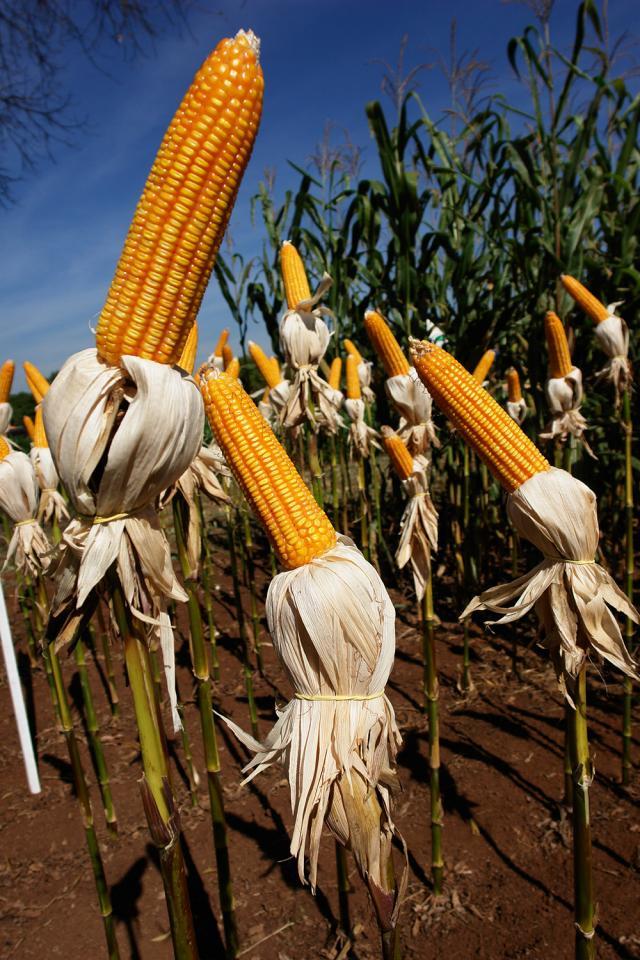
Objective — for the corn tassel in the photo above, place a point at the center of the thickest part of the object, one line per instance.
(499, 442)
(38, 384)
(294, 276)
(590, 304)
(182, 215)
(6, 380)
(514, 390)
(385, 345)
(559, 357)
(298, 529)
(483, 366)
(188, 357)
(269, 369)
(29, 426)
(39, 436)
(335, 373)
(352, 350)
(353, 382)
(398, 453)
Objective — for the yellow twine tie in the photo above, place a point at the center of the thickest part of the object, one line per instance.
(579, 563)
(339, 696)
(26, 523)
(114, 516)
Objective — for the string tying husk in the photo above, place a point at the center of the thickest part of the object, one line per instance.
(570, 592)
(19, 500)
(418, 526)
(413, 402)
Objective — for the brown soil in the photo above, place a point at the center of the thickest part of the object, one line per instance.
(507, 840)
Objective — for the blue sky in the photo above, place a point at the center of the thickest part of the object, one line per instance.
(62, 238)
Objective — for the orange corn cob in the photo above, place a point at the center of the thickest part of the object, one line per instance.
(227, 355)
(275, 363)
(233, 368)
(514, 391)
(508, 453)
(35, 381)
(352, 350)
(297, 527)
(397, 453)
(484, 365)
(222, 339)
(183, 212)
(590, 304)
(353, 381)
(294, 276)
(190, 349)
(335, 373)
(385, 344)
(5, 449)
(39, 436)
(265, 365)
(29, 426)
(6, 380)
(557, 346)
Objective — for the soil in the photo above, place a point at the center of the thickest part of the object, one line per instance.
(507, 837)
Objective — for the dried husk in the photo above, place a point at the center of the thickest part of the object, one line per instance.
(413, 402)
(361, 436)
(517, 410)
(418, 527)
(572, 595)
(19, 500)
(364, 370)
(564, 396)
(6, 413)
(52, 506)
(333, 629)
(612, 334)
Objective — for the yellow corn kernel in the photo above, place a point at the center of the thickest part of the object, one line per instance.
(353, 381)
(39, 436)
(222, 339)
(294, 276)
(265, 364)
(38, 384)
(297, 527)
(397, 452)
(484, 365)
(233, 368)
(183, 212)
(335, 373)
(5, 449)
(227, 355)
(29, 426)
(385, 344)
(557, 346)
(352, 350)
(497, 439)
(590, 304)
(6, 380)
(514, 391)
(190, 349)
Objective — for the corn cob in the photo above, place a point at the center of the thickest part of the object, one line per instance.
(385, 344)
(233, 368)
(188, 357)
(222, 339)
(352, 350)
(498, 440)
(5, 449)
(39, 436)
(335, 373)
(297, 527)
(484, 365)
(590, 304)
(353, 381)
(183, 212)
(6, 380)
(29, 426)
(397, 452)
(514, 391)
(227, 355)
(294, 276)
(558, 348)
(269, 370)
(35, 381)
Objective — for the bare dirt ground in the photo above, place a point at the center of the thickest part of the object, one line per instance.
(506, 839)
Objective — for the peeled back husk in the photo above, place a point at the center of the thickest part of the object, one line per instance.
(564, 396)
(52, 505)
(361, 436)
(6, 413)
(571, 593)
(418, 527)
(612, 334)
(19, 500)
(413, 402)
(517, 410)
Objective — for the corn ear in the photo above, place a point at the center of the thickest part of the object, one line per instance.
(39, 436)
(397, 452)
(484, 365)
(268, 366)
(37, 383)
(385, 344)
(514, 390)
(5, 449)
(29, 426)
(188, 357)
(354, 391)
(6, 380)
(335, 373)
(352, 350)
(294, 276)
(557, 346)
(222, 339)
(585, 299)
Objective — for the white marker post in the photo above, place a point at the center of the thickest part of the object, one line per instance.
(17, 697)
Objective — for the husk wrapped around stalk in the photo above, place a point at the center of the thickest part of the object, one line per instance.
(118, 437)
(413, 402)
(418, 526)
(361, 436)
(52, 507)
(564, 396)
(28, 547)
(571, 593)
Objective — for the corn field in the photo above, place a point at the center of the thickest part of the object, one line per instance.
(327, 646)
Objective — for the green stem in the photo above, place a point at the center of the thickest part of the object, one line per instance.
(627, 705)
(248, 548)
(364, 509)
(335, 485)
(432, 694)
(584, 906)
(467, 682)
(242, 627)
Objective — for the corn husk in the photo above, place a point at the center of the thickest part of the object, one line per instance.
(361, 436)
(52, 506)
(564, 396)
(6, 413)
(19, 500)
(333, 629)
(418, 526)
(517, 410)
(572, 595)
(413, 402)
(365, 368)
(118, 437)
(612, 334)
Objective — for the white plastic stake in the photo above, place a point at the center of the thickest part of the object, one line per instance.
(17, 697)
